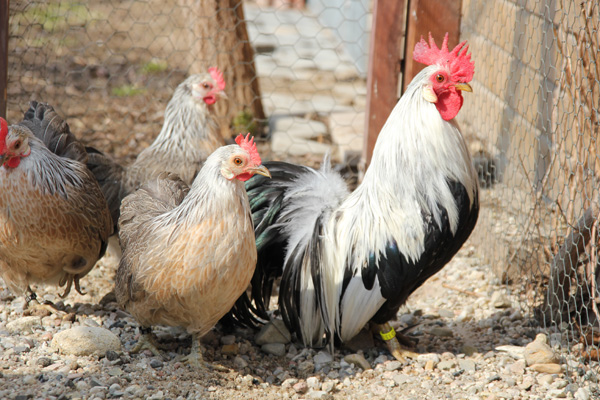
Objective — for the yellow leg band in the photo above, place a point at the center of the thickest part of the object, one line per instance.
(388, 335)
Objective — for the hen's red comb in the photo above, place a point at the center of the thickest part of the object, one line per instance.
(459, 61)
(247, 143)
(3, 133)
(217, 75)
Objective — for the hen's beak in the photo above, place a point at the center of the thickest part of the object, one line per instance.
(465, 87)
(262, 170)
(3, 159)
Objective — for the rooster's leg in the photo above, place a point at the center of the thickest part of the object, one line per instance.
(146, 342)
(45, 306)
(389, 335)
(195, 360)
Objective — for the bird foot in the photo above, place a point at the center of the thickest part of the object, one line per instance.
(196, 362)
(34, 307)
(388, 334)
(147, 342)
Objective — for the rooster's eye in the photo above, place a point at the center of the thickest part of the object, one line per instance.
(238, 161)
(439, 77)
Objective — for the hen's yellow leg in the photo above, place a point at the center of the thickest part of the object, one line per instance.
(388, 334)
(146, 342)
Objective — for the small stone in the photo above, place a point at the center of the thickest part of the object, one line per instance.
(111, 355)
(400, 379)
(231, 349)
(322, 357)
(300, 387)
(440, 331)
(328, 386)
(276, 349)
(517, 368)
(467, 365)
(393, 365)
(21, 349)
(313, 383)
(429, 356)
(133, 390)
(539, 352)
(546, 379)
(446, 365)
(44, 362)
(239, 362)
(526, 384)
(493, 378)
(115, 371)
(500, 300)
(85, 341)
(154, 363)
(516, 352)
(305, 368)
(24, 324)
(273, 332)
(429, 365)
(582, 394)
(547, 368)
(468, 350)
(358, 360)
(73, 365)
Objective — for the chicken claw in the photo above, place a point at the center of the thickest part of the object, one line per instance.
(45, 305)
(389, 335)
(146, 342)
(195, 360)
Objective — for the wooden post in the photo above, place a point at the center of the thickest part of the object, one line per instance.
(424, 16)
(386, 49)
(391, 67)
(3, 56)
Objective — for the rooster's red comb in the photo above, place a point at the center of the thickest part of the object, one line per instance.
(459, 61)
(217, 75)
(247, 143)
(3, 133)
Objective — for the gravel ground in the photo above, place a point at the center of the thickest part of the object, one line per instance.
(470, 331)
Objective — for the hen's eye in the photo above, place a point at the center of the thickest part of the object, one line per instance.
(205, 85)
(17, 145)
(439, 78)
(238, 161)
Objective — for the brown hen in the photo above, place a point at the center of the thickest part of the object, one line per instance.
(189, 253)
(54, 220)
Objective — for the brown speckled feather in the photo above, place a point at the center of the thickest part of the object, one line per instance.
(187, 256)
(54, 221)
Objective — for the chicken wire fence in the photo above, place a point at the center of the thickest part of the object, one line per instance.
(533, 126)
(111, 67)
(532, 123)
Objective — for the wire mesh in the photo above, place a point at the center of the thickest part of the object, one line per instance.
(536, 123)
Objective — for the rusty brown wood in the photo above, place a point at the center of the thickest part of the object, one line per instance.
(424, 16)
(385, 58)
(3, 55)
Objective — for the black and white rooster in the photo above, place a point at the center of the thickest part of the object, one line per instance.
(349, 258)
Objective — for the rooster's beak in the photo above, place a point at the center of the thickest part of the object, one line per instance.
(262, 170)
(465, 87)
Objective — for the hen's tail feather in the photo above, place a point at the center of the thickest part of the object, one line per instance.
(53, 130)
(110, 176)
